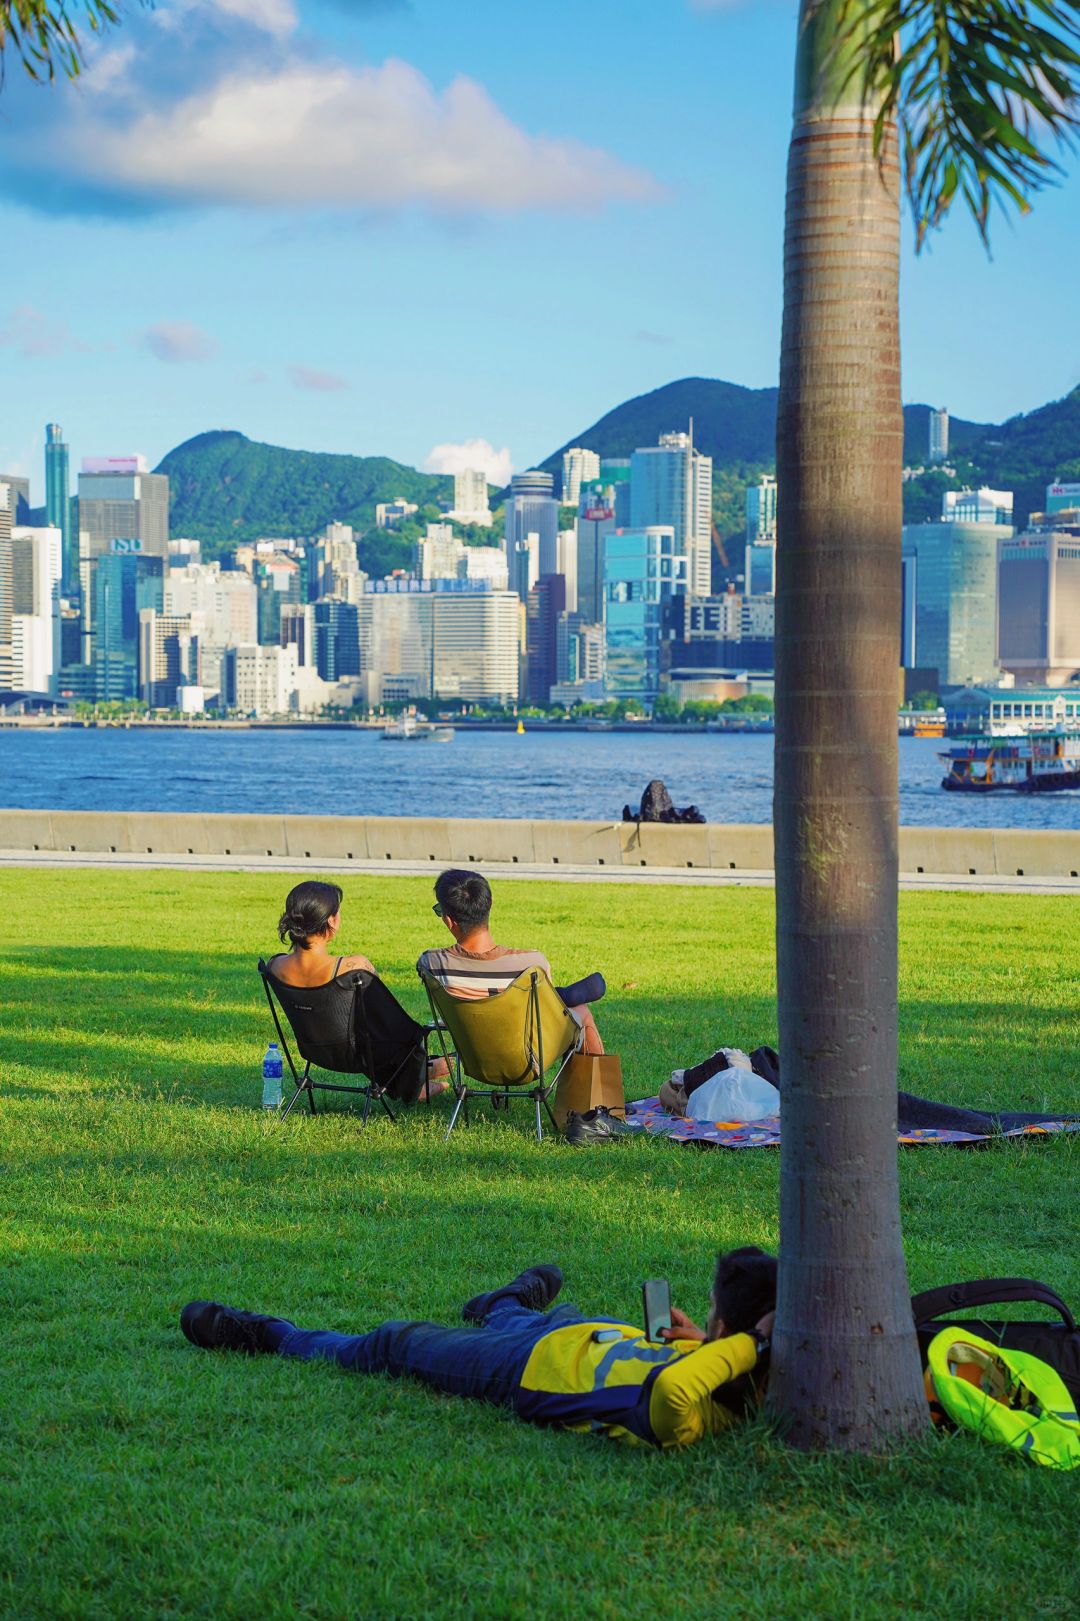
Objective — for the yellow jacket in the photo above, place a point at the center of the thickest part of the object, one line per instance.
(607, 1376)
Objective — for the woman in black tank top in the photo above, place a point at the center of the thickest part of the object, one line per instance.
(310, 921)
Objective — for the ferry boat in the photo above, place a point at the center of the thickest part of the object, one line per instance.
(1040, 762)
(409, 730)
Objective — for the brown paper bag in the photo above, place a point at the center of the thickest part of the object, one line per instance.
(586, 1083)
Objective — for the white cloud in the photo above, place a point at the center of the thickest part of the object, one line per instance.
(277, 18)
(178, 342)
(304, 134)
(36, 336)
(478, 453)
(321, 382)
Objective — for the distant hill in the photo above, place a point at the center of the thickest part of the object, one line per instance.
(225, 488)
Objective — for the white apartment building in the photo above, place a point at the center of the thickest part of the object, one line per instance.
(259, 681)
(336, 570)
(439, 553)
(758, 618)
(471, 497)
(485, 563)
(388, 514)
(476, 646)
(168, 657)
(939, 434)
(578, 467)
(36, 563)
(225, 603)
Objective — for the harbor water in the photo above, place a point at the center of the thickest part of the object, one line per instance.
(575, 775)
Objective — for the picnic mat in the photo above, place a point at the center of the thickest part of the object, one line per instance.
(920, 1121)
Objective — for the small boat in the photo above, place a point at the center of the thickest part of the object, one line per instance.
(928, 728)
(1040, 762)
(410, 730)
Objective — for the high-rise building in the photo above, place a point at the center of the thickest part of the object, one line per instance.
(471, 497)
(939, 434)
(36, 563)
(259, 681)
(1039, 607)
(226, 603)
(439, 553)
(124, 584)
(761, 511)
(18, 498)
(566, 564)
(545, 607)
(58, 514)
(671, 486)
(7, 589)
(120, 500)
(337, 638)
(531, 509)
(593, 525)
(759, 564)
(475, 639)
(1062, 497)
(336, 570)
(643, 570)
(168, 658)
(955, 588)
(297, 629)
(523, 559)
(396, 640)
(578, 467)
(615, 481)
(484, 563)
(977, 506)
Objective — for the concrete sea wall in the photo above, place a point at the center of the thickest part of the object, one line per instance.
(981, 852)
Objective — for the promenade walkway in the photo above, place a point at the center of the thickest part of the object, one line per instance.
(697, 877)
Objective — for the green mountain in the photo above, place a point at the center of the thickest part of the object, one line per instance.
(225, 488)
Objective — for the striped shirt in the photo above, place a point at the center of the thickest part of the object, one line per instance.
(472, 975)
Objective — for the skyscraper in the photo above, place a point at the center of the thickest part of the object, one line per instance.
(955, 587)
(1039, 607)
(671, 484)
(939, 434)
(120, 500)
(124, 584)
(531, 508)
(476, 646)
(761, 511)
(578, 467)
(545, 607)
(643, 570)
(58, 504)
(35, 608)
(593, 526)
(337, 639)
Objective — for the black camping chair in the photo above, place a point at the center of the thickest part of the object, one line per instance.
(353, 1025)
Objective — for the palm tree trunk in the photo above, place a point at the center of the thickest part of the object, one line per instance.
(845, 1367)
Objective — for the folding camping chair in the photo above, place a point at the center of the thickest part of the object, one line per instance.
(353, 1025)
(506, 1042)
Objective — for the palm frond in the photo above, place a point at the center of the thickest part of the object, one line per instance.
(46, 35)
(984, 92)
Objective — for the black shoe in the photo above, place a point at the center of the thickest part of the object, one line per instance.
(226, 1328)
(535, 1288)
(597, 1125)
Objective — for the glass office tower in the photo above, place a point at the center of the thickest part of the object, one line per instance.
(642, 572)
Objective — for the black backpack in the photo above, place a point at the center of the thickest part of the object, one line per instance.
(1056, 1343)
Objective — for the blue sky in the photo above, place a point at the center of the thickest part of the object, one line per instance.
(387, 227)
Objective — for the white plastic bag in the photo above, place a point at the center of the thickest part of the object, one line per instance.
(734, 1094)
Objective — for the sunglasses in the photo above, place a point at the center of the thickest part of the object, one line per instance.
(437, 909)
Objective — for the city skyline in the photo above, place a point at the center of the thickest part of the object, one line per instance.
(235, 291)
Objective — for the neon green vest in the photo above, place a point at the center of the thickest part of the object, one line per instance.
(1006, 1396)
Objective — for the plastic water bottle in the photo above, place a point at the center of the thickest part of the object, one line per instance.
(272, 1077)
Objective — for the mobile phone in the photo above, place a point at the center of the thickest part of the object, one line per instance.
(656, 1301)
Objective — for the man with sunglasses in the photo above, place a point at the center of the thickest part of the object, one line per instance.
(475, 967)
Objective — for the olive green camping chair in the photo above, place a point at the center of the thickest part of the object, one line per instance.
(505, 1043)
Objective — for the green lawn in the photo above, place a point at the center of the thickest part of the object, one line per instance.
(140, 1477)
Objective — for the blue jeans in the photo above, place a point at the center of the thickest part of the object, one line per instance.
(485, 1360)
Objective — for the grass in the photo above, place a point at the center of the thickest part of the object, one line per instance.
(139, 1477)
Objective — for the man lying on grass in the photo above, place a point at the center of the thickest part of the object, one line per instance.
(554, 1367)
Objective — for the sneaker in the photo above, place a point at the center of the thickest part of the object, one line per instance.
(535, 1288)
(597, 1125)
(226, 1328)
